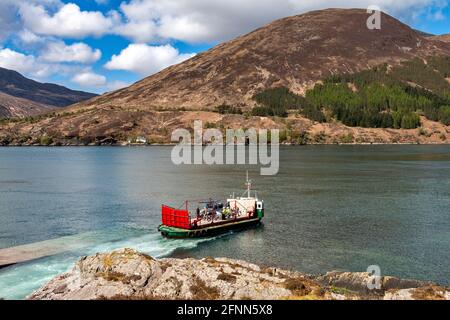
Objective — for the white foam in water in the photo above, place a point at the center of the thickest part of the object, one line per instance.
(16, 282)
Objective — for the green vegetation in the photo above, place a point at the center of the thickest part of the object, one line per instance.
(301, 138)
(210, 125)
(320, 137)
(45, 141)
(382, 97)
(276, 102)
(226, 109)
(444, 115)
(347, 138)
(423, 132)
(4, 141)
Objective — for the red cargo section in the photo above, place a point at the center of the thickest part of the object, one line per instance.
(175, 218)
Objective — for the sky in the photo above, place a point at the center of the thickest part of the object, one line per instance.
(103, 45)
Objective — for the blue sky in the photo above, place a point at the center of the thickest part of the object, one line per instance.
(102, 45)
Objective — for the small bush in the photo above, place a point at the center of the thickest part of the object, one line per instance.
(210, 125)
(45, 141)
(303, 138)
(347, 138)
(201, 291)
(4, 141)
(320, 137)
(297, 286)
(227, 109)
(423, 132)
(227, 277)
(410, 121)
(444, 115)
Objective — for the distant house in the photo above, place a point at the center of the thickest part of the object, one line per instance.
(141, 140)
(137, 140)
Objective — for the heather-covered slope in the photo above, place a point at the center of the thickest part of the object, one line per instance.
(20, 96)
(18, 107)
(444, 38)
(294, 52)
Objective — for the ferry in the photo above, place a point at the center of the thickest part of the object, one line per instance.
(206, 218)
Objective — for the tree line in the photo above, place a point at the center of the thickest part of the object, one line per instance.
(382, 97)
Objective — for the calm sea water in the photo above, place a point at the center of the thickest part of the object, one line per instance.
(330, 207)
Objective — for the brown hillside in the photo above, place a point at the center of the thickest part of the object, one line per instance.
(444, 38)
(18, 107)
(294, 52)
(21, 97)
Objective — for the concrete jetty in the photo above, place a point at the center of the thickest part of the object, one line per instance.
(13, 255)
(37, 250)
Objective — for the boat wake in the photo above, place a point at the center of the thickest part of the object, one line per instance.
(18, 281)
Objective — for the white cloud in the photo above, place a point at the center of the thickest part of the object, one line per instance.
(141, 10)
(116, 85)
(138, 31)
(8, 21)
(39, 26)
(32, 66)
(29, 37)
(193, 21)
(218, 20)
(77, 52)
(186, 29)
(69, 21)
(17, 61)
(145, 59)
(438, 16)
(88, 78)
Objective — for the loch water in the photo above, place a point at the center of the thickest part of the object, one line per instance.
(328, 208)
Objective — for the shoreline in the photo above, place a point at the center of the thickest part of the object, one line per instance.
(127, 274)
(174, 144)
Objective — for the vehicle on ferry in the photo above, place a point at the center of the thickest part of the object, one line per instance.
(205, 218)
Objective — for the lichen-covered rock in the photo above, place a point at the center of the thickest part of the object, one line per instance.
(358, 281)
(128, 274)
(431, 292)
(103, 275)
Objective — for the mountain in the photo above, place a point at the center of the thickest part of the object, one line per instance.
(11, 107)
(425, 34)
(20, 96)
(294, 52)
(443, 37)
(242, 83)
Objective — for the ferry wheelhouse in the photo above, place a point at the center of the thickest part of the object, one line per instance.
(205, 218)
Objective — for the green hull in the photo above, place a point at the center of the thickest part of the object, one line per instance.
(171, 232)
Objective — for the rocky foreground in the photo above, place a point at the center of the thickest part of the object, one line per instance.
(128, 274)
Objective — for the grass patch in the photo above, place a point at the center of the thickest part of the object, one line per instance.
(137, 296)
(298, 286)
(347, 138)
(227, 277)
(429, 293)
(342, 291)
(201, 291)
(119, 277)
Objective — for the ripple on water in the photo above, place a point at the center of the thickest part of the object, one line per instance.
(18, 281)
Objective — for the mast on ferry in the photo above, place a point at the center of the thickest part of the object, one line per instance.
(248, 183)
